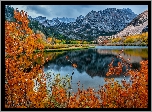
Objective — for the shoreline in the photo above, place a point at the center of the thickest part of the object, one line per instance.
(65, 49)
(80, 48)
(122, 44)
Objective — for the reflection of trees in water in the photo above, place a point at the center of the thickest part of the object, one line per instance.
(144, 58)
(90, 61)
(136, 66)
(143, 53)
(135, 55)
(52, 56)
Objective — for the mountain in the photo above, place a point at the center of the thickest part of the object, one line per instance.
(55, 21)
(97, 23)
(85, 27)
(136, 26)
(64, 19)
(9, 13)
(89, 27)
(145, 29)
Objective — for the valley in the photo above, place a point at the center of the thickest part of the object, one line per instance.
(108, 27)
(94, 59)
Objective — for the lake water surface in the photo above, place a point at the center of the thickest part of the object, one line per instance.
(92, 64)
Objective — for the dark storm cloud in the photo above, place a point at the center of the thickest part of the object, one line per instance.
(38, 9)
(72, 11)
(69, 10)
(77, 10)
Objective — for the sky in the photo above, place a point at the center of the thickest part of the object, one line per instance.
(72, 11)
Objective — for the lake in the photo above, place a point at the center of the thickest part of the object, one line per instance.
(92, 64)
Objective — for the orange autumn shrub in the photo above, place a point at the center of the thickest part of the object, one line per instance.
(20, 68)
(114, 94)
(84, 99)
(24, 72)
(111, 95)
(128, 95)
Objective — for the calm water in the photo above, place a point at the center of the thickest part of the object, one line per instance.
(92, 64)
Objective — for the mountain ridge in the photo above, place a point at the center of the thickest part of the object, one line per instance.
(136, 26)
(96, 23)
(108, 22)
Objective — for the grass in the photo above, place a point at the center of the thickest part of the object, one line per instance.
(66, 49)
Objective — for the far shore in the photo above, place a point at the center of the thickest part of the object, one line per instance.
(122, 44)
(80, 47)
(65, 49)
(73, 47)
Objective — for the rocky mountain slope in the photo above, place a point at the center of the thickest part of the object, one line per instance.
(96, 23)
(55, 21)
(136, 26)
(85, 27)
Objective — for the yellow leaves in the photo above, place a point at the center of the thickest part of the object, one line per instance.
(117, 39)
(49, 40)
(135, 38)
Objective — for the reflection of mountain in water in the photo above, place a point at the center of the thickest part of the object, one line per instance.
(93, 62)
(135, 55)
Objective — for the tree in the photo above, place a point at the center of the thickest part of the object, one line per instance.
(49, 40)
(20, 70)
(57, 41)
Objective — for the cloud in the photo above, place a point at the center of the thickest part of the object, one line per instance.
(72, 11)
(68, 10)
(26, 8)
(38, 9)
